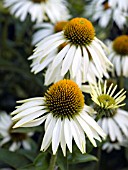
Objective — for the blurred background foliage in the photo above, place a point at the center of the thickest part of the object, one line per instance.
(17, 82)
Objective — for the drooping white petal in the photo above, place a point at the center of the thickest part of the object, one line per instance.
(78, 135)
(59, 57)
(85, 64)
(14, 146)
(28, 105)
(29, 118)
(105, 125)
(5, 140)
(68, 133)
(56, 136)
(68, 60)
(26, 145)
(35, 122)
(86, 129)
(27, 112)
(76, 62)
(90, 121)
(48, 135)
(111, 129)
(62, 140)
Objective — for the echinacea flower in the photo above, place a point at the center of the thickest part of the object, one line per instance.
(107, 12)
(39, 10)
(112, 119)
(119, 55)
(80, 49)
(17, 139)
(65, 115)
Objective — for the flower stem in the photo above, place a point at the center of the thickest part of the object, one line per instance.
(52, 162)
(99, 159)
(121, 81)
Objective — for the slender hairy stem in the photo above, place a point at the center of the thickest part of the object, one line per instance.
(52, 162)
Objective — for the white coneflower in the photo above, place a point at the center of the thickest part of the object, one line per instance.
(81, 47)
(65, 115)
(8, 135)
(39, 10)
(119, 55)
(112, 119)
(108, 12)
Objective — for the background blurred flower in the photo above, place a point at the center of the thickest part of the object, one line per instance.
(110, 146)
(115, 126)
(39, 10)
(122, 5)
(17, 139)
(107, 12)
(65, 115)
(119, 55)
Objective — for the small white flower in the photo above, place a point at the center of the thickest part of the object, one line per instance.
(81, 58)
(17, 139)
(105, 12)
(39, 10)
(109, 146)
(112, 119)
(65, 115)
(104, 97)
(119, 55)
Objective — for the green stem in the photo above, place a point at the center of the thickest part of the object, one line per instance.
(121, 82)
(52, 162)
(99, 159)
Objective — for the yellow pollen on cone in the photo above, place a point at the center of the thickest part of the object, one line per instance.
(120, 45)
(79, 31)
(64, 99)
(60, 25)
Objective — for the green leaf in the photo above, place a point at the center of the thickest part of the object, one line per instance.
(13, 159)
(28, 154)
(81, 158)
(27, 129)
(42, 161)
(61, 160)
(28, 167)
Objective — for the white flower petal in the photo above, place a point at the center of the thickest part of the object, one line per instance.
(68, 60)
(29, 118)
(68, 133)
(27, 112)
(48, 135)
(76, 62)
(62, 140)
(59, 57)
(86, 129)
(56, 136)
